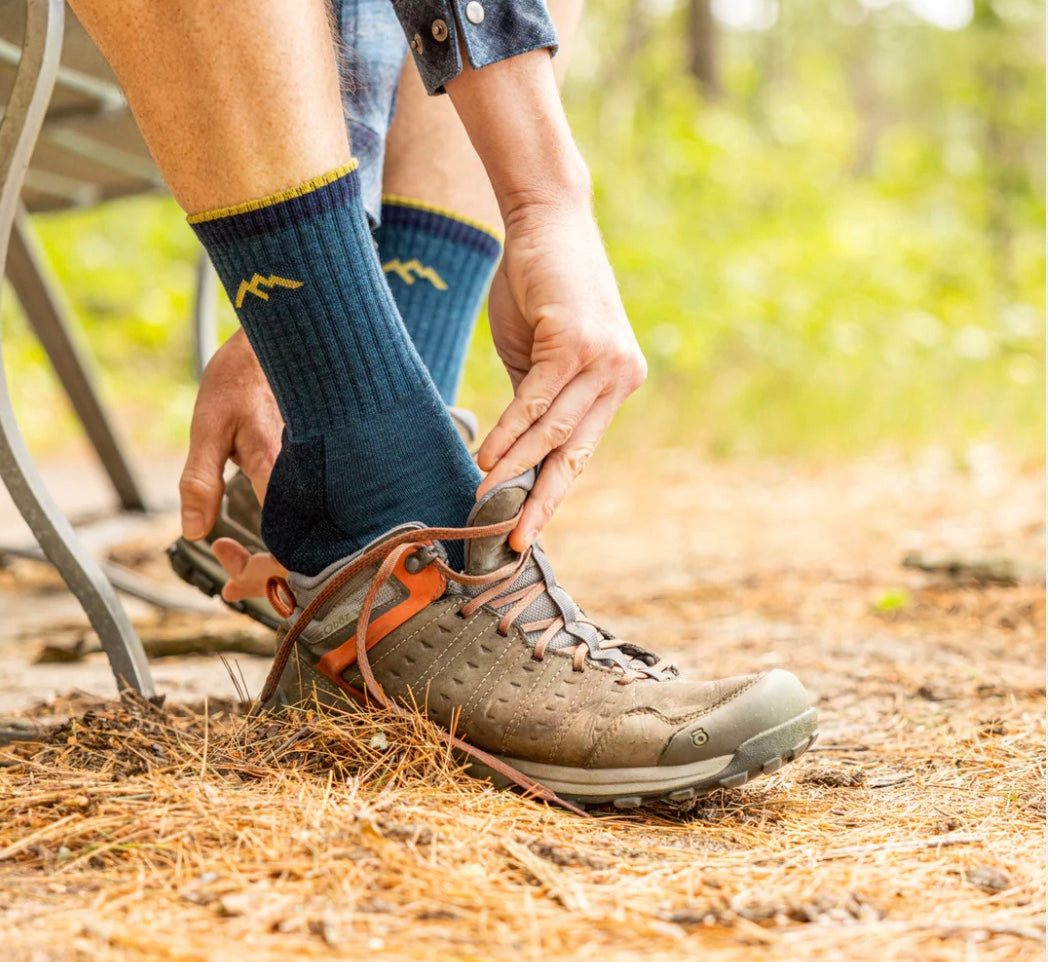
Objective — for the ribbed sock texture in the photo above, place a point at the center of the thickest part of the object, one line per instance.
(368, 442)
(438, 268)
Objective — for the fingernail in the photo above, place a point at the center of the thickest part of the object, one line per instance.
(193, 525)
(529, 538)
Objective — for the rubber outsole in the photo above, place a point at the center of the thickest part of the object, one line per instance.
(763, 754)
(185, 564)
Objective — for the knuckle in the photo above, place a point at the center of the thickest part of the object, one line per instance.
(548, 506)
(558, 431)
(577, 457)
(194, 485)
(259, 459)
(638, 374)
(587, 349)
(534, 408)
(572, 461)
(633, 370)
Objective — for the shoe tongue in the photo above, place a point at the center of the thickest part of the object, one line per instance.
(484, 555)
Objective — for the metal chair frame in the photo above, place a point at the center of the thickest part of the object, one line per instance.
(20, 259)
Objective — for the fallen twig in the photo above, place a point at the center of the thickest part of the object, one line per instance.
(911, 845)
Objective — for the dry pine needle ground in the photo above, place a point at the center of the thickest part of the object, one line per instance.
(914, 830)
(138, 832)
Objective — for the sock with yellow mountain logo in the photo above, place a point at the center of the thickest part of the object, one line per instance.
(438, 266)
(368, 443)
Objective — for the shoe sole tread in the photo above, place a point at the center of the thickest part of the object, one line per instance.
(185, 566)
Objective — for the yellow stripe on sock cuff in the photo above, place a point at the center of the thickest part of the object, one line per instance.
(444, 212)
(270, 199)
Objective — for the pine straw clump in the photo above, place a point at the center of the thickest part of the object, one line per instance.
(136, 831)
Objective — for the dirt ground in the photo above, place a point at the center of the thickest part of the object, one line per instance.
(913, 830)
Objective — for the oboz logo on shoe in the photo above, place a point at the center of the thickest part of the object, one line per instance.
(699, 737)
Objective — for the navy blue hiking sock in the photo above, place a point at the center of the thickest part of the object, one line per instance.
(368, 443)
(438, 266)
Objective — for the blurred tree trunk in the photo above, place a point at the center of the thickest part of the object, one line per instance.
(703, 63)
(772, 74)
(1000, 79)
(869, 110)
(636, 34)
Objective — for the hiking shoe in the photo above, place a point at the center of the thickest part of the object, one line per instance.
(536, 694)
(240, 518)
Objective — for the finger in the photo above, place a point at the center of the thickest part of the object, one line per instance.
(255, 578)
(201, 486)
(559, 471)
(533, 398)
(550, 432)
(232, 555)
(249, 573)
(257, 455)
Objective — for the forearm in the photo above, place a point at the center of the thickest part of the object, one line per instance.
(515, 120)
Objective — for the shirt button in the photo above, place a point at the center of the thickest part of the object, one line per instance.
(416, 44)
(440, 31)
(474, 12)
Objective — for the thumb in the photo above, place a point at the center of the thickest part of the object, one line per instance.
(248, 573)
(232, 555)
(201, 486)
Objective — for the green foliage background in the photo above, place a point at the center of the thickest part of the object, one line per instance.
(845, 249)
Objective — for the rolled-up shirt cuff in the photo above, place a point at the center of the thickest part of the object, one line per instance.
(489, 30)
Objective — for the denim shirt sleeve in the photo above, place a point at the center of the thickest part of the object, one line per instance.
(490, 30)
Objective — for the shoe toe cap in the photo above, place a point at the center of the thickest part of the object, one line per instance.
(752, 707)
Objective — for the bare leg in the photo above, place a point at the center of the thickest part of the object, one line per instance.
(430, 158)
(241, 107)
(205, 85)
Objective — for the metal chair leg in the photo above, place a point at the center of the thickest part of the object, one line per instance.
(205, 316)
(18, 132)
(28, 272)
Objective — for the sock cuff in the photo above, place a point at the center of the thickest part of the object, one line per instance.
(440, 222)
(278, 210)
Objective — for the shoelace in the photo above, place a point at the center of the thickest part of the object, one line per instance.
(518, 602)
(497, 584)
(280, 596)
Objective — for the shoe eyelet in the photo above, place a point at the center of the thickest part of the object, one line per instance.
(420, 558)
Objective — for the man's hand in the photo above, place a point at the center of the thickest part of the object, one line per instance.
(248, 573)
(556, 315)
(235, 419)
(560, 328)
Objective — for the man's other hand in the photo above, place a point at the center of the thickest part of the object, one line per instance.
(235, 419)
(248, 573)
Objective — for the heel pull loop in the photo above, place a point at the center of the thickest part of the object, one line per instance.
(279, 595)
